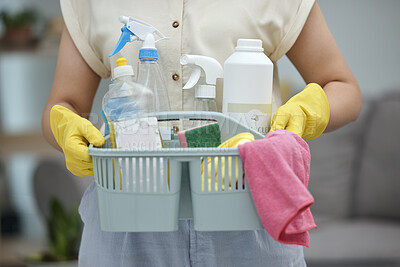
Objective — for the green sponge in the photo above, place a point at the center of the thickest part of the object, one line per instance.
(208, 135)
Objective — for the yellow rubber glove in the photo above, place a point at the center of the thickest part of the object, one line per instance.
(73, 134)
(305, 114)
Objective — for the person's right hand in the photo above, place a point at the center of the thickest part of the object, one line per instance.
(73, 134)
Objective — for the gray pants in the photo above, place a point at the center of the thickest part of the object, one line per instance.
(185, 247)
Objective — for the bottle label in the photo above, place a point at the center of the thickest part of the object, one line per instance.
(254, 116)
(137, 134)
(166, 131)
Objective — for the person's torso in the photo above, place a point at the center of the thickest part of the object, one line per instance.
(209, 28)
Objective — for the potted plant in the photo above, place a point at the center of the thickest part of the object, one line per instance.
(64, 231)
(19, 28)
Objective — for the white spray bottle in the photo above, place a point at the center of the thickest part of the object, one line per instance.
(247, 93)
(205, 72)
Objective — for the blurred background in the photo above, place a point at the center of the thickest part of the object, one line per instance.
(355, 171)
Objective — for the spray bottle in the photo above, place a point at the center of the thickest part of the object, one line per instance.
(205, 72)
(247, 93)
(149, 73)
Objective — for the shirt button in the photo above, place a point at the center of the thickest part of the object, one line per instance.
(175, 77)
(175, 24)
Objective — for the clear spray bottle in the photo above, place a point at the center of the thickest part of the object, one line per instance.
(149, 73)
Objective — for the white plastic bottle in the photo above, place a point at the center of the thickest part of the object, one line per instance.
(248, 81)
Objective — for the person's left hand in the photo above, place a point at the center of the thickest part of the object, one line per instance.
(305, 114)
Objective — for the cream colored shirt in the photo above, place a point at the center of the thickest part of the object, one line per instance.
(206, 27)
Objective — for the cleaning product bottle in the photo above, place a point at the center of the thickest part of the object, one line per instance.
(247, 93)
(205, 72)
(125, 99)
(149, 73)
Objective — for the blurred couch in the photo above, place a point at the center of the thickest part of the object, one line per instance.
(355, 180)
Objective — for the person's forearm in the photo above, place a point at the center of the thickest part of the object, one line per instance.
(74, 87)
(344, 103)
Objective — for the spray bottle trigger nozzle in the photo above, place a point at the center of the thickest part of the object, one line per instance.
(123, 39)
(194, 77)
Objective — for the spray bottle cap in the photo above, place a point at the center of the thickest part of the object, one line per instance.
(205, 91)
(122, 68)
(137, 30)
(249, 45)
(212, 71)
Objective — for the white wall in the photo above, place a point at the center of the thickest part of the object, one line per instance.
(25, 83)
(368, 34)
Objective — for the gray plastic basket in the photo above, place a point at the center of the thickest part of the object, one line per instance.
(150, 190)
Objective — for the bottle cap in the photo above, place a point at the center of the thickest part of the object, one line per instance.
(149, 53)
(252, 45)
(205, 91)
(123, 69)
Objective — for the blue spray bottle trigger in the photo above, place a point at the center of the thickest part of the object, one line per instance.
(123, 39)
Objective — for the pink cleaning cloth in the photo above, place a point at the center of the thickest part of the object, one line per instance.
(277, 170)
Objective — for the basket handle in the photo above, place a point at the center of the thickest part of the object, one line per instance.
(221, 118)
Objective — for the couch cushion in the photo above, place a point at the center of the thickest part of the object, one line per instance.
(378, 180)
(355, 243)
(333, 157)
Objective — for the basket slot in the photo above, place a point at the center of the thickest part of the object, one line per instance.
(226, 173)
(164, 174)
(145, 173)
(125, 174)
(100, 176)
(157, 183)
(238, 163)
(157, 176)
(110, 175)
(97, 170)
(118, 176)
(150, 173)
(211, 179)
(154, 174)
(219, 170)
(233, 177)
(128, 174)
(103, 179)
(204, 175)
(138, 176)
(207, 174)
